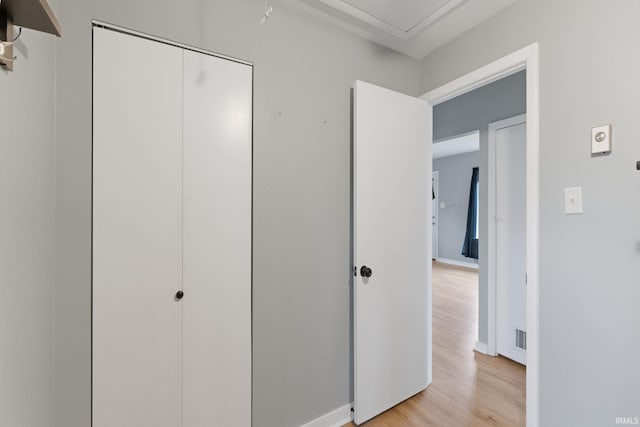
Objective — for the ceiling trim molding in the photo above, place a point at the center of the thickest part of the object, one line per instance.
(441, 12)
(441, 26)
(366, 17)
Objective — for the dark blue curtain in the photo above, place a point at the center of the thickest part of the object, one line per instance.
(470, 247)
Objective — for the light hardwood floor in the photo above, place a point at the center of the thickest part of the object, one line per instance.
(469, 388)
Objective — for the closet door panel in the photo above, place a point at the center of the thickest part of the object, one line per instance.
(217, 241)
(137, 240)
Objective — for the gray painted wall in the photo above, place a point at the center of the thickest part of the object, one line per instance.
(454, 184)
(588, 293)
(474, 111)
(301, 300)
(590, 263)
(26, 234)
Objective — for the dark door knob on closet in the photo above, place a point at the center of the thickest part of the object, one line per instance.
(179, 295)
(365, 271)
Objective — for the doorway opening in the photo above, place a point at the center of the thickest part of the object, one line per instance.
(455, 204)
(472, 167)
(393, 305)
(525, 61)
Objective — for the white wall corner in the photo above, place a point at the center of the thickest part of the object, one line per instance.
(481, 347)
(335, 418)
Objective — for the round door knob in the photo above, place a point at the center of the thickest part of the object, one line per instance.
(179, 295)
(365, 271)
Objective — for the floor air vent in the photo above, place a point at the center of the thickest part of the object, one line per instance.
(521, 339)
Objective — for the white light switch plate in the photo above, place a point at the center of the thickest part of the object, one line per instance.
(573, 201)
(442, 205)
(601, 139)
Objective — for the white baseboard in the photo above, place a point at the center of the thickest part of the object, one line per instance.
(481, 347)
(458, 263)
(335, 418)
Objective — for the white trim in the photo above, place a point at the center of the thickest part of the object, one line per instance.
(481, 347)
(492, 255)
(367, 18)
(400, 33)
(499, 69)
(492, 347)
(458, 263)
(435, 175)
(443, 11)
(335, 418)
(526, 58)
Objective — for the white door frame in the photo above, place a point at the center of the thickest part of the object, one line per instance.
(492, 294)
(435, 178)
(525, 58)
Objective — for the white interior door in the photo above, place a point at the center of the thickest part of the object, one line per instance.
(137, 238)
(392, 200)
(217, 241)
(510, 164)
(435, 204)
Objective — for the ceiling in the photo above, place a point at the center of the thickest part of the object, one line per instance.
(460, 144)
(413, 27)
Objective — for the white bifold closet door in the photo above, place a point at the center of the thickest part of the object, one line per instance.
(171, 212)
(217, 242)
(137, 232)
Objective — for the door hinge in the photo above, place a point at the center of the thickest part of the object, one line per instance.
(526, 279)
(355, 270)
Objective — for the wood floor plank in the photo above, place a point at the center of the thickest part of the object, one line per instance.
(469, 388)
